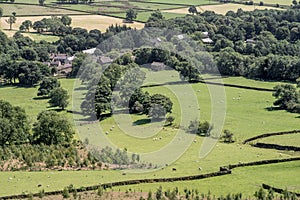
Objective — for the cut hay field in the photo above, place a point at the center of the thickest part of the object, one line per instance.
(221, 8)
(34, 10)
(88, 22)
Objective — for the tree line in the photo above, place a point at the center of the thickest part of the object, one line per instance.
(260, 44)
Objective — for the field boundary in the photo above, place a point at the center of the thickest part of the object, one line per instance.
(276, 146)
(270, 135)
(225, 170)
(278, 190)
(262, 162)
(213, 83)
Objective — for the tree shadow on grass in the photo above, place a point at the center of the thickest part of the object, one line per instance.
(141, 122)
(271, 108)
(40, 98)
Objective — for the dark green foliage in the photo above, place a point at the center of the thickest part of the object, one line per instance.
(131, 14)
(47, 85)
(227, 136)
(52, 128)
(30, 73)
(119, 157)
(59, 97)
(200, 128)
(258, 44)
(287, 97)
(193, 10)
(14, 125)
(65, 193)
(160, 105)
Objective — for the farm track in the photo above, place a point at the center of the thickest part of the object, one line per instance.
(225, 170)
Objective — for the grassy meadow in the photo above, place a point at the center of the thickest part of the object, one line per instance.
(245, 180)
(251, 107)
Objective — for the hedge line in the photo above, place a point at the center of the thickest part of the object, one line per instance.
(276, 146)
(271, 134)
(278, 190)
(128, 182)
(263, 162)
(223, 171)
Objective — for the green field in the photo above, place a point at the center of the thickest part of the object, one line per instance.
(285, 140)
(143, 16)
(187, 2)
(251, 108)
(245, 180)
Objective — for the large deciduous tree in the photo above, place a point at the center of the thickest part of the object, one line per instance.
(160, 106)
(287, 97)
(59, 98)
(47, 85)
(52, 128)
(14, 125)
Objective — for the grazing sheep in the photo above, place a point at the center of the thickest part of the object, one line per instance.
(106, 133)
(174, 169)
(110, 129)
(200, 168)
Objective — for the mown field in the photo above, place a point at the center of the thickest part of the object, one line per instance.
(34, 10)
(88, 22)
(245, 118)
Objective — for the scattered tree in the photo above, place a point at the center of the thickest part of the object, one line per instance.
(41, 2)
(47, 85)
(59, 97)
(227, 137)
(14, 125)
(131, 14)
(11, 20)
(193, 10)
(52, 128)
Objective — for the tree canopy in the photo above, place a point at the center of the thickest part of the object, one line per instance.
(52, 128)
(14, 125)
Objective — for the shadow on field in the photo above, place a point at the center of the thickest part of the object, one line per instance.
(141, 122)
(271, 108)
(41, 98)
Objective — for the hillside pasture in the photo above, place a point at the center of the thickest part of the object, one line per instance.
(245, 180)
(285, 140)
(144, 16)
(250, 108)
(221, 8)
